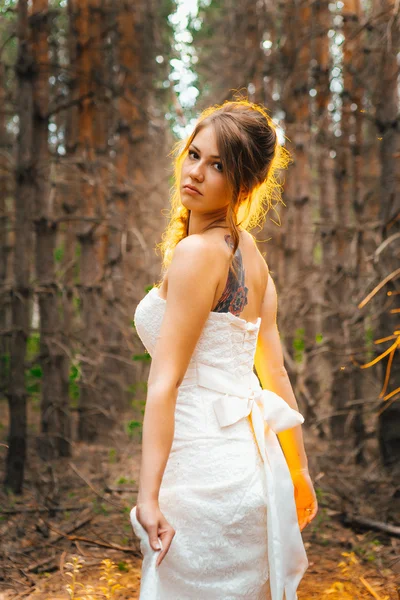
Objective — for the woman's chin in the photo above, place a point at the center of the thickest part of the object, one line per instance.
(188, 201)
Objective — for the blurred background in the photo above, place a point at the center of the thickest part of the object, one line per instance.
(93, 95)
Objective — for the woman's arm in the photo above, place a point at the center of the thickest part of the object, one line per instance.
(193, 277)
(273, 376)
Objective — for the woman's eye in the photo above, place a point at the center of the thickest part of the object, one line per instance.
(217, 163)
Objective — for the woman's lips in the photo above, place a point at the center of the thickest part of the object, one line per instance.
(190, 191)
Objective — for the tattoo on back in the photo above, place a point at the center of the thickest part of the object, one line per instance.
(234, 296)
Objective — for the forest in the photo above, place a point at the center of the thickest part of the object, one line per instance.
(93, 96)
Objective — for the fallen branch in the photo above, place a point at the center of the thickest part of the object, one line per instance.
(85, 554)
(74, 526)
(62, 562)
(133, 551)
(76, 470)
(392, 530)
(121, 490)
(16, 511)
(37, 567)
(28, 577)
(25, 593)
(74, 538)
(370, 589)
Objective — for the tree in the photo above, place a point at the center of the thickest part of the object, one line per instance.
(55, 417)
(385, 40)
(21, 294)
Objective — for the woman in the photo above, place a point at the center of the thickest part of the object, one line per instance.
(221, 502)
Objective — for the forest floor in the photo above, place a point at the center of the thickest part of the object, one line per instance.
(74, 515)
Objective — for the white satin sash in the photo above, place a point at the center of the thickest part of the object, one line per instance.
(269, 414)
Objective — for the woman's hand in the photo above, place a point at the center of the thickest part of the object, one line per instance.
(305, 497)
(156, 525)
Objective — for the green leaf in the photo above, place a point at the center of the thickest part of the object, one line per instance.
(145, 357)
(133, 426)
(33, 345)
(36, 371)
(299, 344)
(59, 253)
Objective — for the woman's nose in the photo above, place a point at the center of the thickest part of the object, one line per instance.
(197, 172)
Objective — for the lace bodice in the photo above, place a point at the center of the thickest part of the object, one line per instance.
(227, 342)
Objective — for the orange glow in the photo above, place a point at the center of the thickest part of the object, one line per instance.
(388, 367)
(380, 285)
(385, 353)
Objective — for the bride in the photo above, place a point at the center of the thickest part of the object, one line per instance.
(224, 489)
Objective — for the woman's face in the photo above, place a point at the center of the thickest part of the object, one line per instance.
(202, 169)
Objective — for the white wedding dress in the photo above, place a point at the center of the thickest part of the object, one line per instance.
(226, 489)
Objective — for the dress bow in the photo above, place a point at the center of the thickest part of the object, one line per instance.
(276, 413)
(270, 414)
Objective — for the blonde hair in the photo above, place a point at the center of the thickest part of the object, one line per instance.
(251, 157)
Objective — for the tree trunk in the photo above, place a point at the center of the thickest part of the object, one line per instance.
(358, 264)
(388, 127)
(5, 241)
(340, 289)
(297, 217)
(55, 419)
(95, 415)
(318, 369)
(21, 293)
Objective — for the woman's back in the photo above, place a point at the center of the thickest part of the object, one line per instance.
(241, 295)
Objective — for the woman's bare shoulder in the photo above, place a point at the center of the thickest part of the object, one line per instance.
(193, 250)
(252, 242)
(199, 243)
(196, 250)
